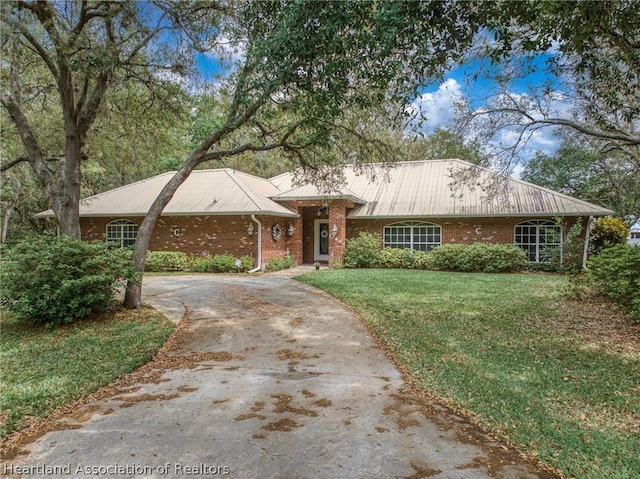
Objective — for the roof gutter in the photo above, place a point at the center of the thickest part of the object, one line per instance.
(259, 267)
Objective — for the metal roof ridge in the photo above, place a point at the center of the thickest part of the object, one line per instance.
(533, 185)
(244, 187)
(173, 172)
(562, 195)
(252, 195)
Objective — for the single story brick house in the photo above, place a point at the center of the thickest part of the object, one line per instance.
(410, 205)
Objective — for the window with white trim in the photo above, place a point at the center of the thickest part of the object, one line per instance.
(414, 235)
(540, 239)
(122, 233)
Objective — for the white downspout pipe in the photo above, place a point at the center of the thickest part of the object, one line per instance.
(587, 234)
(259, 267)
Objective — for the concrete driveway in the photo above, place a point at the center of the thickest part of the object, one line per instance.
(273, 379)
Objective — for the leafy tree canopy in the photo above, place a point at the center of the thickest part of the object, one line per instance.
(590, 175)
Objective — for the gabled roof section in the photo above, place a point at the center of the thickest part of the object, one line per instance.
(204, 192)
(416, 189)
(422, 189)
(310, 192)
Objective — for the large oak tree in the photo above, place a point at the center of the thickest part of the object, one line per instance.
(296, 68)
(76, 53)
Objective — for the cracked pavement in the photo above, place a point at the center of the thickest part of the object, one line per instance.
(273, 379)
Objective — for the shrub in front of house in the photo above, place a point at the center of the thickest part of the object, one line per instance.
(422, 260)
(277, 264)
(363, 251)
(607, 232)
(479, 257)
(615, 273)
(396, 258)
(56, 280)
(166, 261)
(545, 267)
(247, 263)
(221, 263)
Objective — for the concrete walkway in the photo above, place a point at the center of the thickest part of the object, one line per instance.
(274, 379)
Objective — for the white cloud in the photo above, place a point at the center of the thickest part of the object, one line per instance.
(539, 140)
(437, 109)
(227, 50)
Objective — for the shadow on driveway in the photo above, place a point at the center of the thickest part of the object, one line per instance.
(271, 378)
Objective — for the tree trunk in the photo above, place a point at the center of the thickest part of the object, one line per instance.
(5, 221)
(68, 179)
(133, 295)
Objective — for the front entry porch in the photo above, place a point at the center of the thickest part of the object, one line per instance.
(323, 231)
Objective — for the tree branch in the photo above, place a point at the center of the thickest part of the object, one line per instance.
(42, 53)
(6, 166)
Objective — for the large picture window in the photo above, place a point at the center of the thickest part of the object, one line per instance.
(122, 233)
(412, 235)
(541, 240)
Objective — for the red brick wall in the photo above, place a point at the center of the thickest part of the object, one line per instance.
(277, 248)
(228, 234)
(457, 230)
(205, 234)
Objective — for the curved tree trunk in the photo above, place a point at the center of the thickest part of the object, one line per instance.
(133, 295)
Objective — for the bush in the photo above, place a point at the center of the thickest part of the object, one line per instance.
(363, 251)
(247, 263)
(223, 263)
(608, 232)
(276, 264)
(479, 257)
(422, 260)
(166, 261)
(615, 273)
(51, 280)
(396, 258)
(548, 267)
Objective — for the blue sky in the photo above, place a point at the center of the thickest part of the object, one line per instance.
(471, 82)
(468, 81)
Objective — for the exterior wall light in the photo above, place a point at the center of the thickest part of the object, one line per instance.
(291, 230)
(334, 231)
(250, 229)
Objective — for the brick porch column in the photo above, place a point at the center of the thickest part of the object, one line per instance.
(337, 217)
(295, 242)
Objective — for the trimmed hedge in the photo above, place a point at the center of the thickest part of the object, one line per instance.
(404, 259)
(222, 263)
(479, 257)
(166, 261)
(276, 264)
(366, 251)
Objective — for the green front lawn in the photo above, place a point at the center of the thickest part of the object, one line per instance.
(559, 379)
(43, 368)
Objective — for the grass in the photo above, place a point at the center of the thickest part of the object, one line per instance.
(510, 351)
(43, 368)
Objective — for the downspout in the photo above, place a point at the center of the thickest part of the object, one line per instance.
(259, 267)
(586, 242)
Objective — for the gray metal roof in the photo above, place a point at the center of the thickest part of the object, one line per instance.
(415, 189)
(204, 192)
(423, 189)
(311, 192)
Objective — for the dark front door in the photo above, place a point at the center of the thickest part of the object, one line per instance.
(321, 240)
